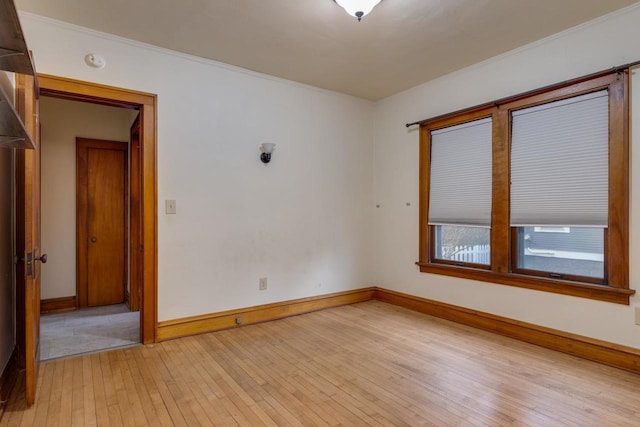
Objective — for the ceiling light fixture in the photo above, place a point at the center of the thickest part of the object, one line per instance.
(358, 8)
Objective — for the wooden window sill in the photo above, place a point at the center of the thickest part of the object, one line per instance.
(565, 287)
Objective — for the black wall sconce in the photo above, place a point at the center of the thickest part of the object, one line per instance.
(267, 149)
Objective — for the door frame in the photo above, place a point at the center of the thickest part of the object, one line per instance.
(147, 263)
(135, 225)
(83, 145)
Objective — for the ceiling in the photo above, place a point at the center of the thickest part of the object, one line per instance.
(400, 44)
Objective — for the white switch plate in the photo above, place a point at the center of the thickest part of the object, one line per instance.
(262, 284)
(170, 206)
(637, 309)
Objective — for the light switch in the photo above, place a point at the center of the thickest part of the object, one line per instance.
(170, 206)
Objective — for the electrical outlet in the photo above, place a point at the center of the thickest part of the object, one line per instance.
(170, 206)
(262, 284)
(238, 320)
(637, 314)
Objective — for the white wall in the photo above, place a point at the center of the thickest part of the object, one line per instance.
(62, 121)
(306, 220)
(596, 46)
(7, 288)
(302, 221)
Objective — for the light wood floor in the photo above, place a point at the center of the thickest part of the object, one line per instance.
(365, 364)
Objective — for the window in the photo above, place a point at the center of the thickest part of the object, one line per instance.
(578, 252)
(560, 175)
(460, 193)
(532, 191)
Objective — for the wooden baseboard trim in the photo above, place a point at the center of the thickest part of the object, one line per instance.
(57, 305)
(8, 379)
(619, 356)
(227, 319)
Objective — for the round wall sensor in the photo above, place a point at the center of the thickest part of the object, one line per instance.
(95, 61)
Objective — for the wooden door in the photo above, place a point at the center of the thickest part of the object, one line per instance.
(102, 221)
(27, 229)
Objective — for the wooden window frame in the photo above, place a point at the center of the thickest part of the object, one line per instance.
(503, 238)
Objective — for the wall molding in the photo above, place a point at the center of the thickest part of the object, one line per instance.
(170, 329)
(58, 305)
(8, 379)
(618, 356)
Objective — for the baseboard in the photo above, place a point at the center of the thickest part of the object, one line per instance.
(58, 305)
(8, 380)
(615, 355)
(227, 319)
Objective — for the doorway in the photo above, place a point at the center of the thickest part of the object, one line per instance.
(85, 228)
(141, 262)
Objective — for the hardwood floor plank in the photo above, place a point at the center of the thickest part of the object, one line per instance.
(77, 396)
(122, 398)
(370, 364)
(204, 385)
(134, 398)
(154, 411)
(66, 398)
(161, 377)
(114, 416)
(45, 383)
(98, 393)
(29, 413)
(87, 393)
(187, 400)
(54, 403)
(194, 395)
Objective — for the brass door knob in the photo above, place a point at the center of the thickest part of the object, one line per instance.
(94, 239)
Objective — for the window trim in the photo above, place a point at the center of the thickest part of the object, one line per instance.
(615, 287)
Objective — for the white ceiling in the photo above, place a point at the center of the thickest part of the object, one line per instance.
(401, 44)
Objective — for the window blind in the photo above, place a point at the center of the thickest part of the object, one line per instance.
(560, 162)
(460, 181)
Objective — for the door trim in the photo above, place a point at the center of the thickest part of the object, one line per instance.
(146, 103)
(135, 226)
(83, 145)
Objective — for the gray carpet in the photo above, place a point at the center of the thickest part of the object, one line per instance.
(88, 330)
